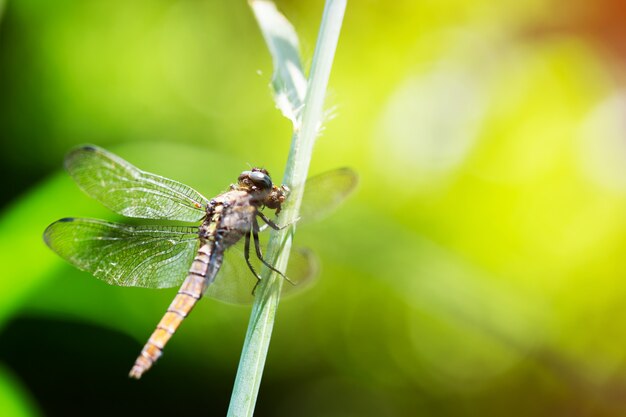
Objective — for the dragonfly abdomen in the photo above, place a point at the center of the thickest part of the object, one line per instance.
(188, 295)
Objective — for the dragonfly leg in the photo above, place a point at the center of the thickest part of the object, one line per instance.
(259, 254)
(273, 225)
(247, 256)
(246, 253)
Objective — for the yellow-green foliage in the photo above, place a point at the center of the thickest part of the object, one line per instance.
(480, 268)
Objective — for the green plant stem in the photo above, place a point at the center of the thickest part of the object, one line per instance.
(261, 323)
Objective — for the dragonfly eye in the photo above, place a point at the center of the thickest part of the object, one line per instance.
(258, 178)
(261, 180)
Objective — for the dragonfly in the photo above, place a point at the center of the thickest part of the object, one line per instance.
(165, 256)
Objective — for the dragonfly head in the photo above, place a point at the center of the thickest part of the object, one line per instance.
(257, 181)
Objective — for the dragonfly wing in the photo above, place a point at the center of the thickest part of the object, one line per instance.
(130, 191)
(235, 282)
(323, 193)
(128, 256)
(304, 267)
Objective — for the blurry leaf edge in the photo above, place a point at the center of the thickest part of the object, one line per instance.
(288, 81)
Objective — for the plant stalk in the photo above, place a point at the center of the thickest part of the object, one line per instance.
(254, 353)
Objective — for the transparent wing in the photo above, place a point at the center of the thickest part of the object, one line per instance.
(130, 191)
(235, 282)
(128, 256)
(323, 193)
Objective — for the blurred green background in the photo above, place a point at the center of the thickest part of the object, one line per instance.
(479, 270)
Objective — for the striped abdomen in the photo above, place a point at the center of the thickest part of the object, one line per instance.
(189, 293)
